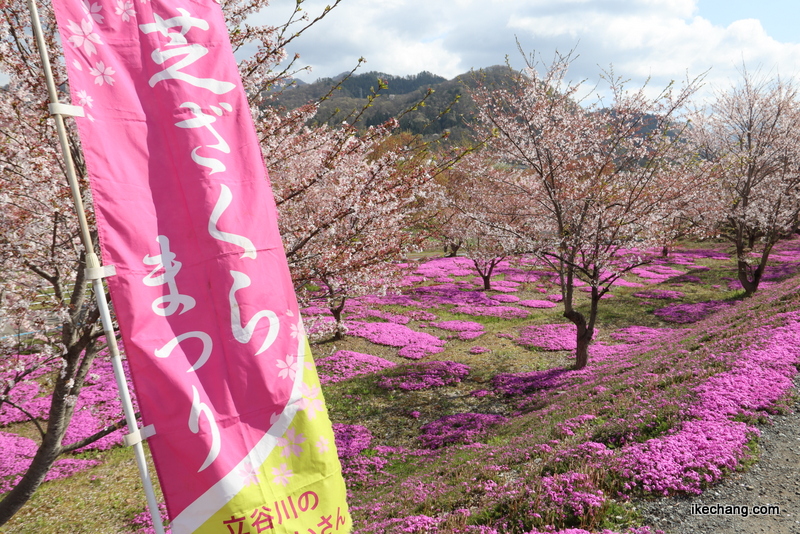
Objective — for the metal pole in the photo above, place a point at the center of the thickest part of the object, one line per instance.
(92, 262)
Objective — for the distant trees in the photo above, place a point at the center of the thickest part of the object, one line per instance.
(749, 138)
(347, 204)
(587, 185)
(474, 217)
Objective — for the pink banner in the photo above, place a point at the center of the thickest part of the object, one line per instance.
(202, 292)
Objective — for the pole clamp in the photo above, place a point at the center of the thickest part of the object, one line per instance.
(59, 108)
(139, 435)
(96, 273)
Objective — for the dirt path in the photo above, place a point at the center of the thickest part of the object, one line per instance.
(774, 480)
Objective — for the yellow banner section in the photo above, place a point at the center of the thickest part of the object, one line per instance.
(299, 489)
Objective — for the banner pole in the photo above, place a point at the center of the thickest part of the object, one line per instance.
(94, 267)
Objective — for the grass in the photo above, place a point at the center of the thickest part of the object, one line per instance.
(633, 398)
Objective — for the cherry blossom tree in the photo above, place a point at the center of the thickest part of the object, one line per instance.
(44, 296)
(348, 204)
(750, 138)
(475, 215)
(590, 183)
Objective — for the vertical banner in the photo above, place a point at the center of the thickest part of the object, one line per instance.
(217, 351)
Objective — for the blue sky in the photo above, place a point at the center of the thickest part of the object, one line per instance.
(661, 39)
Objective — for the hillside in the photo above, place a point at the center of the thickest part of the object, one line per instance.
(448, 108)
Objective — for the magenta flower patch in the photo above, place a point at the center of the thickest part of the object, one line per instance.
(466, 329)
(659, 294)
(351, 439)
(505, 298)
(457, 428)
(640, 334)
(414, 345)
(538, 303)
(690, 313)
(345, 364)
(524, 383)
(425, 376)
(18, 453)
(505, 312)
(549, 337)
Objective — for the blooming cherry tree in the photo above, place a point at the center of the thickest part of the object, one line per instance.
(750, 139)
(587, 181)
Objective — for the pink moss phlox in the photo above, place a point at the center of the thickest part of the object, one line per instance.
(505, 312)
(523, 383)
(538, 303)
(659, 294)
(445, 267)
(466, 329)
(391, 300)
(459, 326)
(690, 313)
(426, 375)
(621, 282)
(640, 334)
(592, 453)
(314, 310)
(144, 523)
(687, 460)
(18, 453)
(759, 379)
(505, 298)
(346, 364)
(457, 428)
(568, 427)
(573, 493)
(478, 350)
(452, 294)
(555, 298)
(549, 336)
(378, 314)
(415, 345)
(351, 439)
(421, 315)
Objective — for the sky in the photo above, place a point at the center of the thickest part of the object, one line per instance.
(659, 40)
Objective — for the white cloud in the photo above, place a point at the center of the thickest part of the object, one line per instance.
(657, 38)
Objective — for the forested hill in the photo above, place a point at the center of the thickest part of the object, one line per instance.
(398, 95)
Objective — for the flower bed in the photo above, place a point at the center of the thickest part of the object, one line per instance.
(414, 345)
(425, 376)
(457, 428)
(345, 364)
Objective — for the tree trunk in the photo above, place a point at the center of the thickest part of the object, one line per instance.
(750, 285)
(451, 249)
(31, 480)
(337, 315)
(582, 350)
(665, 251)
(487, 281)
(48, 452)
(583, 338)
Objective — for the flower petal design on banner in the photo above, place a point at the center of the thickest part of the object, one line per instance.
(125, 10)
(84, 36)
(102, 74)
(93, 11)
